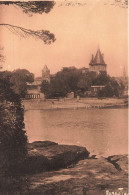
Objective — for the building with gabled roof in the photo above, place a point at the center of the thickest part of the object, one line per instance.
(97, 63)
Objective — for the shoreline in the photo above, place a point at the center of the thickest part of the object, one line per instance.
(74, 104)
(72, 170)
(68, 154)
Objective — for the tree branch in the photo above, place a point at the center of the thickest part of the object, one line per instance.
(43, 35)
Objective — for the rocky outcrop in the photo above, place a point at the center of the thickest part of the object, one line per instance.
(120, 162)
(40, 144)
(73, 172)
(68, 170)
(46, 155)
(87, 177)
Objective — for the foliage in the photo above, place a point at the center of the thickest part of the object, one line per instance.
(101, 79)
(112, 88)
(43, 35)
(85, 82)
(57, 88)
(17, 81)
(73, 80)
(45, 88)
(13, 139)
(6, 93)
(32, 7)
(65, 82)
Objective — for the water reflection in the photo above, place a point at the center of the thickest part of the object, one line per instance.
(102, 131)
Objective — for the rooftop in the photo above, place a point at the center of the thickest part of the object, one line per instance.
(98, 59)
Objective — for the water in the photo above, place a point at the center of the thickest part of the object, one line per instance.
(103, 132)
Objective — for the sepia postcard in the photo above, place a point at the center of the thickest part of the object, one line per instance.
(64, 97)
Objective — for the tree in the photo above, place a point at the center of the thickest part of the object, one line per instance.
(31, 7)
(19, 80)
(6, 93)
(70, 77)
(73, 80)
(111, 88)
(101, 79)
(13, 139)
(57, 88)
(45, 88)
(16, 81)
(65, 81)
(84, 83)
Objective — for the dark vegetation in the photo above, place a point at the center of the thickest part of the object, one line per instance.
(75, 80)
(16, 81)
(30, 8)
(13, 87)
(13, 138)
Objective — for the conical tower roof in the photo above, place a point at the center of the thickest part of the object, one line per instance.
(45, 69)
(92, 60)
(99, 58)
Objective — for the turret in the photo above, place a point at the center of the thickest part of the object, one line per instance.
(97, 63)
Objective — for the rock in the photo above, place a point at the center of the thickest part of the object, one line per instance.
(38, 144)
(80, 173)
(87, 177)
(120, 162)
(47, 155)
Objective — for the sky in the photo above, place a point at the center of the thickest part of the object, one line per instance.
(80, 29)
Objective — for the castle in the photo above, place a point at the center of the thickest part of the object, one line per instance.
(97, 63)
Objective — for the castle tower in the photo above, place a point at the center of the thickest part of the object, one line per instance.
(97, 63)
(46, 74)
